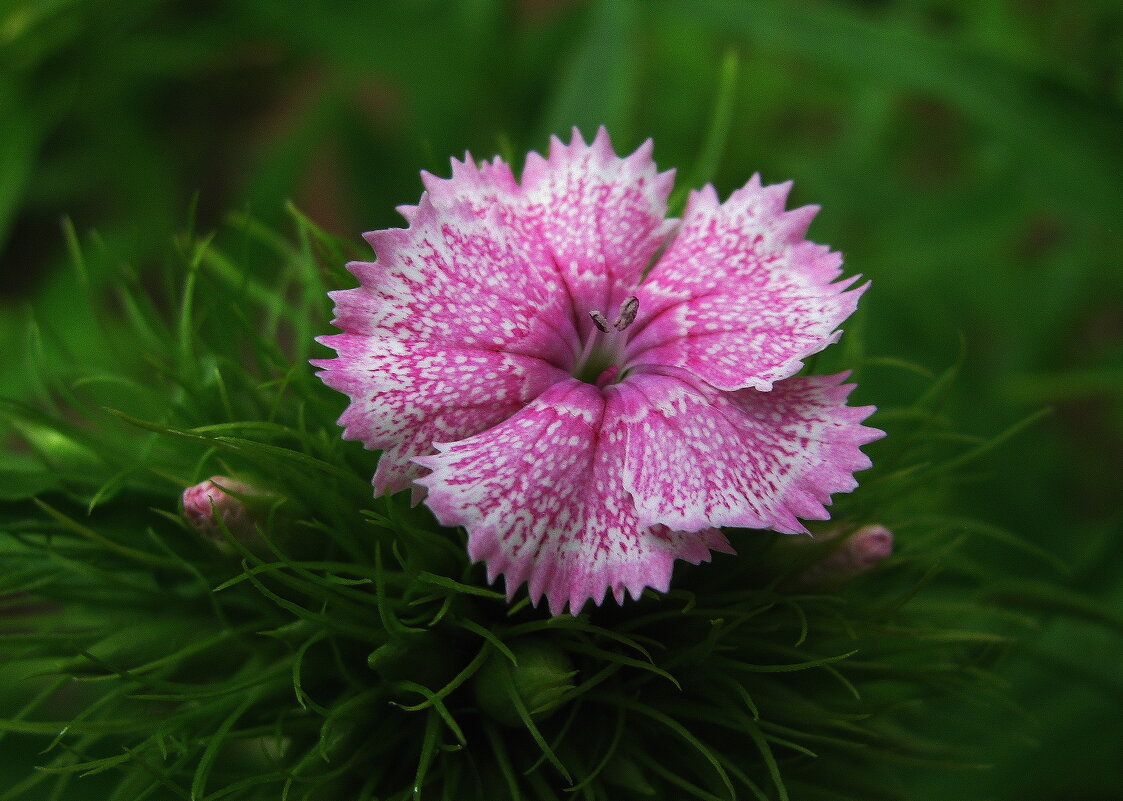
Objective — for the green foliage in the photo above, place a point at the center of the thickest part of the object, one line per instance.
(354, 653)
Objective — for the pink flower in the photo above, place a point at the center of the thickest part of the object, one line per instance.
(590, 389)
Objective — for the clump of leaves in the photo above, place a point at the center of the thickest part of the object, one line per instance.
(353, 652)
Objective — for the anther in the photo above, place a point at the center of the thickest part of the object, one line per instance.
(599, 321)
(627, 313)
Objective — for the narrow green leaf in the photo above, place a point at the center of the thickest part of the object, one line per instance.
(810, 663)
(524, 715)
(428, 748)
(660, 769)
(426, 577)
(36, 701)
(717, 133)
(297, 666)
(214, 743)
(491, 637)
(88, 533)
(612, 656)
(461, 677)
(606, 756)
(769, 760)
(1053, 599)
(432, 702)
(978, 452)
(502, 760)
(680, 730)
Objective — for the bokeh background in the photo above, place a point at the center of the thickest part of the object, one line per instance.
(968, 156)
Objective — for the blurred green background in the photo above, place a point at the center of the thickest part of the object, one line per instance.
(968, 155)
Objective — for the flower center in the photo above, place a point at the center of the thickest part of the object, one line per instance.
(597, 364)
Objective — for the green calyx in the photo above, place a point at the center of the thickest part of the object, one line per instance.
(535, 685)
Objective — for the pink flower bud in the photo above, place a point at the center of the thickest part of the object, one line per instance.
(861, 551)
(220, 499)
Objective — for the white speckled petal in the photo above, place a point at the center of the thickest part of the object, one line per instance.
(740, 298)
(404, 395)
(596, 217)
(542, 500)
(481, 187)
(601, 217)
(697, 456)
(456, 277)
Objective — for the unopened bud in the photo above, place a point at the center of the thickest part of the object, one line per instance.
(860, 551)
(540, 680)
(220, 501)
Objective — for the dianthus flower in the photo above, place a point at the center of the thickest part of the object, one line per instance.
(589, 389)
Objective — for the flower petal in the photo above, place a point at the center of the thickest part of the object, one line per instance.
(600, 217)
(697, 456)
(739, 298)
(455, 277)
(542, 500)
(593, 218)
(405, 395)
(481, 187)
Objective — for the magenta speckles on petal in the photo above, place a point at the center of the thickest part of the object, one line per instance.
(739, 298)
(407, 394)
(587, 416)
(701, 457)
(544, 502)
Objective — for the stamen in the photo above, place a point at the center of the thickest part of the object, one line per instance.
(599, 321)
(627, 313)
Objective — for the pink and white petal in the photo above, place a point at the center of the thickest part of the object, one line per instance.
(455, 277)
(739, 298)
(599, 217)
(542, 500)
(479, 186)
(405, 395)
(697, 456)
